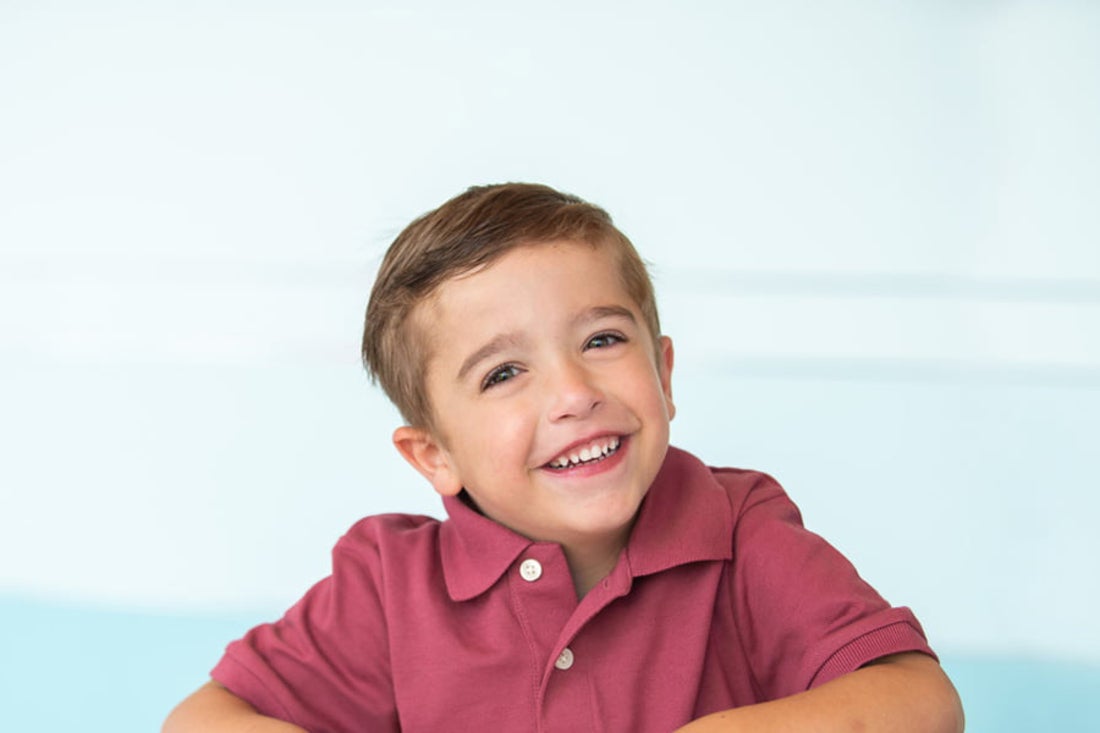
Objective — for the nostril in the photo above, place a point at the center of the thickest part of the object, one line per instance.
(575, 406)
(573, 391)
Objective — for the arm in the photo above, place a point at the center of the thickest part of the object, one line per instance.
(903, 693)
(214, 709)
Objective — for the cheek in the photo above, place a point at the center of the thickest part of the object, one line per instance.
(660, 402)
(500, 430)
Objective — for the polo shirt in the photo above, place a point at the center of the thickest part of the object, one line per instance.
(721, 598)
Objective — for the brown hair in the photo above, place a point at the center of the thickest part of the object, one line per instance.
(468, 232)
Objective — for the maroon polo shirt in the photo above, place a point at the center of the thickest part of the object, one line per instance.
(720, 599)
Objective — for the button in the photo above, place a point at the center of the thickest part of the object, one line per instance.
(565, 659)
(530, 570)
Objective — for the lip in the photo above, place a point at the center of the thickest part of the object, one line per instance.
(588, 469)
(585, 442)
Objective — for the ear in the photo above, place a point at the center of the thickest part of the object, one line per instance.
(664, 371)
(427, 455)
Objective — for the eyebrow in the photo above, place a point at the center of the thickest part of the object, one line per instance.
(497, 343)
(595, 313)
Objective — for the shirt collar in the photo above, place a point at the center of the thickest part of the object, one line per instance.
(476, 551)
(685, 517)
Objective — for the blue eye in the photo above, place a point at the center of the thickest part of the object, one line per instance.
(603, 340)
(499, 375)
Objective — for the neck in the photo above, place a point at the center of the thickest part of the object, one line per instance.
(589, 563)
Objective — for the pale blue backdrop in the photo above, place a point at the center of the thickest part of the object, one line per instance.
(873, 227)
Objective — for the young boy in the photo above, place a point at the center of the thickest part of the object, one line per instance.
(589, 577)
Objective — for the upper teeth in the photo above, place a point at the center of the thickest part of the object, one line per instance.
(598, 449)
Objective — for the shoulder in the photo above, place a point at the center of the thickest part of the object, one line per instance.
(753, 492)
(745, 488)
(397, 527)
(382, 541)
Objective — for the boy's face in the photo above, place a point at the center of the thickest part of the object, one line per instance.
(551, 407)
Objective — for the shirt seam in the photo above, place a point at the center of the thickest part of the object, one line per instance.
(524, 625)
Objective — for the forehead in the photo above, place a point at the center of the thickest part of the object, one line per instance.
(533, 281)
(553, 274)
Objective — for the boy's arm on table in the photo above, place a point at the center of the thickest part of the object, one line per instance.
(213, 709)
(903, 693)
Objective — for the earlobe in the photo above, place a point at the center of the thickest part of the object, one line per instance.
(664, 369)
(424, 453)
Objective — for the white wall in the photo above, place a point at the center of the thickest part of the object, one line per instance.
(873, 226)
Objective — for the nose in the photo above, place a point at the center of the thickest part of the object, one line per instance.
(573, 391)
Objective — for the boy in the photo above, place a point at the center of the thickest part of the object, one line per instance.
(589, 577)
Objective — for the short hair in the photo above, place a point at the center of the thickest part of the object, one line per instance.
(468, 232)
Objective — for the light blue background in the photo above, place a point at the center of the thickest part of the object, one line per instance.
(874, 232)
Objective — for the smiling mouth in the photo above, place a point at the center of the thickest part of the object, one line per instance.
(596, 451)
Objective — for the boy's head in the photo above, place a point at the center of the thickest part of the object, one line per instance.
(469, 232)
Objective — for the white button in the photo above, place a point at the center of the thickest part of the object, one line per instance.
(565, 659)
(530, 570)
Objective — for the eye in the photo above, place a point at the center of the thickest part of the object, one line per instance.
(501, 374)
(603, 340)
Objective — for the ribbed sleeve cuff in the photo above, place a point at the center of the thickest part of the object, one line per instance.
(892, 639)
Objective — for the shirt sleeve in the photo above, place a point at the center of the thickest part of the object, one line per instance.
(805, 614)
(325, 664)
